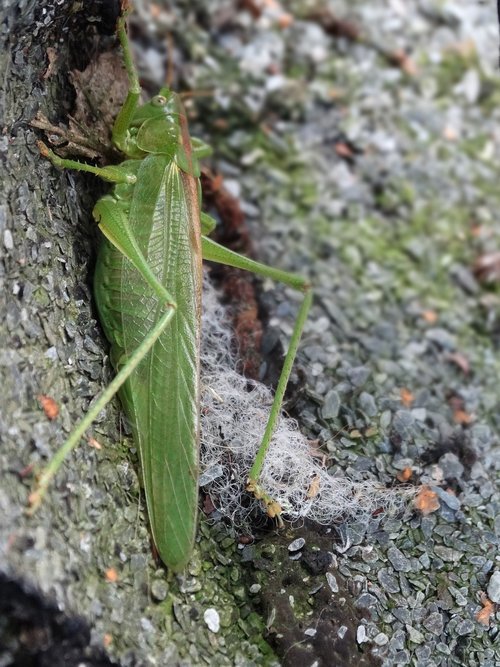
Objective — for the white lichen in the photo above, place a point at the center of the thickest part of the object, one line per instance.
(234, 415)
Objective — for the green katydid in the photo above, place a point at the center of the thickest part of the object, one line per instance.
(148, 292)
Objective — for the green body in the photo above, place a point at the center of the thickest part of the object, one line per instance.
(161, 398)
(148, 290)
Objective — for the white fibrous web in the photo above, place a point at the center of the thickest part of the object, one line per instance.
(234, 413)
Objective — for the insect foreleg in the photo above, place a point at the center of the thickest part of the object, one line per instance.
(214, 252)
(111, 217)
(112, 174)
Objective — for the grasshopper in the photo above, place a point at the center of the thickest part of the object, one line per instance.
(147, 286)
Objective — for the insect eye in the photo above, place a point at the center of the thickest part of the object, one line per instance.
(159, 101)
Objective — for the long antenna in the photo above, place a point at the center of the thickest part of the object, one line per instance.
(170, 59)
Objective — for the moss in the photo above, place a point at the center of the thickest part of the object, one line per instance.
(41, 297)
(452, 66)
(473, 146)
(489, 99)
(297, 70)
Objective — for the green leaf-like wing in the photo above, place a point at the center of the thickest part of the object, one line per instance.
(161, 398)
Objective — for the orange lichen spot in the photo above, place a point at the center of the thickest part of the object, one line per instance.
(49, 406)
(271, 8)
(111, 575)
(336, 93)
(402, 60)
(155, 10)
(406, 397)
(477, 230)
(33, 502)
(483, 615)
(427, 500)
(94, 443)
(342, 149)
(462, 417)
(430, 316)
(217, 182)
(459, 360)
(221, 124)
(465, 48)
(285, 20)
(449, 133)
(404, 475)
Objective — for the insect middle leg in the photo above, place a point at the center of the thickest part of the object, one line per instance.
(214, 252)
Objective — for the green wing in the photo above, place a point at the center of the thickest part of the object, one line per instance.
(161, 398)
